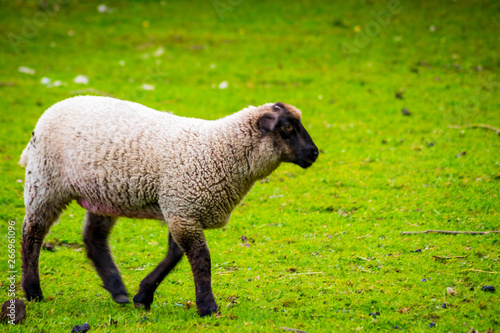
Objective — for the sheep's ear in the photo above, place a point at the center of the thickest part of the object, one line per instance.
(268, 122)
(279, 107)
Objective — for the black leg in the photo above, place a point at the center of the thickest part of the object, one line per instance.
(35, 227)
(95, 236)
(147, 288)
(199, 258)
(192, 241)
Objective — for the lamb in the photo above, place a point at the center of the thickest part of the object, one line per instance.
(119, 158)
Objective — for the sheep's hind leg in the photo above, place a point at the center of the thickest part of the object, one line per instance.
(148, 286)
(95, 236)
(36, 225)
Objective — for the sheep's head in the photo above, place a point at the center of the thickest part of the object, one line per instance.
(283, 124)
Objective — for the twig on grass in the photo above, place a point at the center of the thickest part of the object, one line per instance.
(361, 237)
(446, 258)
(478, 270)
(450, 232)
(292, 330)
(309, 273)
(497, 130)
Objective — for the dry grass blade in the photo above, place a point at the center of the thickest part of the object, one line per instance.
(450, 232)
(447, 258)
(497, 130)
(478, 270)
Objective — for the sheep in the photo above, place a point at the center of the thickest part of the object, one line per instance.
(122, 159)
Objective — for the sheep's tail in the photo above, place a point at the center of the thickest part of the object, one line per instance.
(24, 156)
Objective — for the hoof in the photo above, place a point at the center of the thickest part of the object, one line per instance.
(140, 306)
(122, 299)
(141, 300)
(36, 297)
(208, 310)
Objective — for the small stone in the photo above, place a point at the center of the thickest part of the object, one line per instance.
(223, 85)
(405, 112)
(13, 311)
(84, 328)
(49, 247)
(26, 70)
(489, 289)
(81, 79)
(148, 87)
(159, 51)
(76, 329)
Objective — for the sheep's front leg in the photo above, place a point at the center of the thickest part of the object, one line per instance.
(192, 241)
(148, 286)
(199, 258)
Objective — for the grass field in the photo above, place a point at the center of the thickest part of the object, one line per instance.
(325, 248)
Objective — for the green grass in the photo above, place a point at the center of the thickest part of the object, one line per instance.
(341, 220)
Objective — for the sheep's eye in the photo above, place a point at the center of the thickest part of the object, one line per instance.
(286, 128)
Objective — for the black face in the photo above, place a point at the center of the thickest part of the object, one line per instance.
(300, 148)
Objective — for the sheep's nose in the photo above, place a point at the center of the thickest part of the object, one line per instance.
(313, 152)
